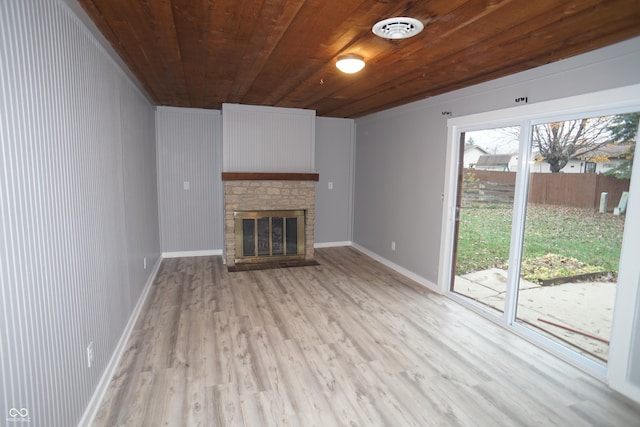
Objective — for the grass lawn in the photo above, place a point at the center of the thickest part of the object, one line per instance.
(590, 238)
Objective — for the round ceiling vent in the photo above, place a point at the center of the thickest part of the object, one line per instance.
(397, 28)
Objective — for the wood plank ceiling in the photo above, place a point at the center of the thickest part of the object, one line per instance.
(201, 53)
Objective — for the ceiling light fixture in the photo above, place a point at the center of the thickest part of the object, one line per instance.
(397, 28)
(350, 63)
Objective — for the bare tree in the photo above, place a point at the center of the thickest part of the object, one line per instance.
(557, 142)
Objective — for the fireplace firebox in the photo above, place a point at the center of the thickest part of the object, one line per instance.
(273, 235)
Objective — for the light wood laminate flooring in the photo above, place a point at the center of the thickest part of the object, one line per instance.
(349, 342)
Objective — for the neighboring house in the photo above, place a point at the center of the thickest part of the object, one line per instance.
(497, 162)
(605, 158)
(599, 161)
(539, 165)
(471, 155)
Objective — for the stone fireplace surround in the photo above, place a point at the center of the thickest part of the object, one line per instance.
(251, 191)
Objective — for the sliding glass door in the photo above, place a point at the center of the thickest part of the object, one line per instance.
(573, 225)
(540, 215)
(487, 172)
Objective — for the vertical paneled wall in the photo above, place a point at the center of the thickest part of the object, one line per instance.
(78, 210)
(189, 179)
(268, 139)
(140, 188)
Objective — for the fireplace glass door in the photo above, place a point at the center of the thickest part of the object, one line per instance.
(269, 235)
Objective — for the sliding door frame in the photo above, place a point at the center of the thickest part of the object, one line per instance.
(615, 101)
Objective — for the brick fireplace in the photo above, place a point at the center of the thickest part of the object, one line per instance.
(262, 192)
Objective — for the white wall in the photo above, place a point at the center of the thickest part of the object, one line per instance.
(398, 186)
(400, 153)
(190, 155)
(401, 162)
(335, 142)
(78, 210)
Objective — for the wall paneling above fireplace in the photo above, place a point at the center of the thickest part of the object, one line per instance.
(267, 139)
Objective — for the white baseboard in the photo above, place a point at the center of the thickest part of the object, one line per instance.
(191, 253)
(331, 244)
(98, 395)
(409, 274)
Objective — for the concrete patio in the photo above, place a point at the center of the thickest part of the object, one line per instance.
(586, 307)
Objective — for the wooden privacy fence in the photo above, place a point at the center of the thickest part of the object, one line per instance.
(581, 190)
(487, 193)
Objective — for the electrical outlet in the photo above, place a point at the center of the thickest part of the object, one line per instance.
(90, 354)
(330, 186)
(144, 262)
(393, 246)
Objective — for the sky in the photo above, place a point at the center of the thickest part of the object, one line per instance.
(496, 141)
